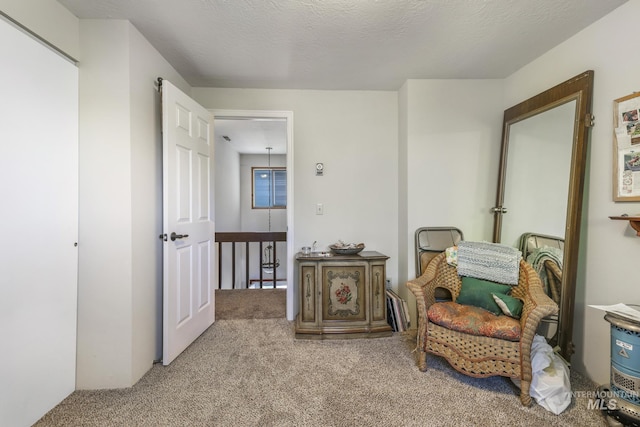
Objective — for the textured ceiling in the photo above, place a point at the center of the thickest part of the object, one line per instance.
(342, 44)
(347, 44)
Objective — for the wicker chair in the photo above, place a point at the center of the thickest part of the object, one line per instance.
(554, 279)
(480, 356)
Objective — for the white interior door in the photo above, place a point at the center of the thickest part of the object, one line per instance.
(188, 226)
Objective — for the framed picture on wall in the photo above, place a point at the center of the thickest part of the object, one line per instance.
(626, 148)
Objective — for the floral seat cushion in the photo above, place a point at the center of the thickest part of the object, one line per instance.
(474, 320)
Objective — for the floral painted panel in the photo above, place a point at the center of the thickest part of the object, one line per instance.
(344, 292)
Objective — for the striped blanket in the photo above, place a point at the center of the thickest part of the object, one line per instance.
(489, 261)
(537, 258)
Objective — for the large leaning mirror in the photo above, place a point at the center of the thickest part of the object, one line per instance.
(540, 191)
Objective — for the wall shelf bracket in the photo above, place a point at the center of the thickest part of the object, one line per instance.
(634, 222)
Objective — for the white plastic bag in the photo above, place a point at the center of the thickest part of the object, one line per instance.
(550, 385)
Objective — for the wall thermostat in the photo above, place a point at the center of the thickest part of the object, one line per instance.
(319, 168)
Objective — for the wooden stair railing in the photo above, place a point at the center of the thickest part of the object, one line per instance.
(248, 237)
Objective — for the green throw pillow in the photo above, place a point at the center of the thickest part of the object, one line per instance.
(509, 305)
(479, 293)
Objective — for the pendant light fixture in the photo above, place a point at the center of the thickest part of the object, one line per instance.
(268, 265)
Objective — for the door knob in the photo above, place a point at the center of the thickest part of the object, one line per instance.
(175, 236)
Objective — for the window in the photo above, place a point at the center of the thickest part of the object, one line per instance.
(269, 187)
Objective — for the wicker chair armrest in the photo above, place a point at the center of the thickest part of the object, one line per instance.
(417, 288)
(542, 306)
(537, 305)
(554, 279)
(424, 287)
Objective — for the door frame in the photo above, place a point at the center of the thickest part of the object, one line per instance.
(288, 116)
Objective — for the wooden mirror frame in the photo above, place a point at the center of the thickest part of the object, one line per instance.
(580, 89)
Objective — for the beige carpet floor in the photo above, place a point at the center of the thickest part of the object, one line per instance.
(253, 372)
(251, 303)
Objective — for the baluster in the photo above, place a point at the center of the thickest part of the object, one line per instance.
(219, 265)
(246, 264)
(233, 265)
(275, 267)
(261, 261)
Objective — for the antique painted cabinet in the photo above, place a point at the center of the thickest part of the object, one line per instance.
(342, 296)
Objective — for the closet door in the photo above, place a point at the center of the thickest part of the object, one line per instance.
(39, 216)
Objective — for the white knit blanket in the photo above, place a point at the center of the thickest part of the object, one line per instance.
(489, 261)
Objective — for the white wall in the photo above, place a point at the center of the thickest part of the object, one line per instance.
(104, 295)
(119, 307)
(354, 133)
(609, 249)
(227, 187)
(453, 132)
(405, 252)
(227, 205)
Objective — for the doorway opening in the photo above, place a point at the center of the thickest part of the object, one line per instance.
(254, 194)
